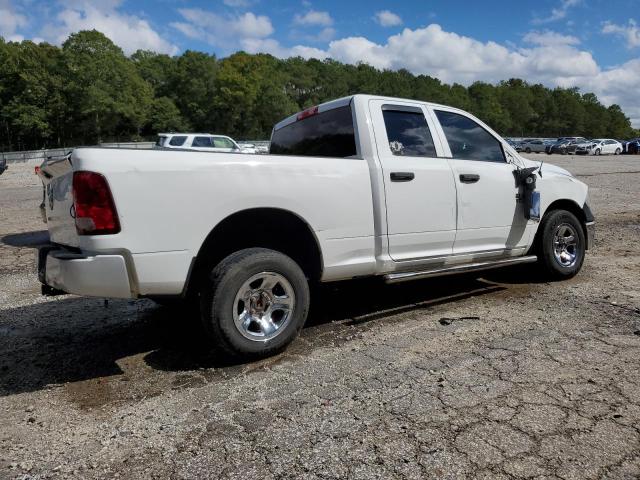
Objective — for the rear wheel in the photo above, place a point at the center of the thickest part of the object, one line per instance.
(561, 244)
(528, 150)
(254, 302)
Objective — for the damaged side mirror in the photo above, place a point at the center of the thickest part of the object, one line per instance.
(526, 182)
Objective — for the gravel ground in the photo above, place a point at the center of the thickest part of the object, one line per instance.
(541, 381)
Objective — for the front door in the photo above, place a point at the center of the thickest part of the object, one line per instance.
(489, 215)
(419, 186)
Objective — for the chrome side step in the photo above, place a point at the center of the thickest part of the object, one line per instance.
(464, 268)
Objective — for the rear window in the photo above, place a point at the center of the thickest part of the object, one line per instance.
(327, 134)
(177, 141)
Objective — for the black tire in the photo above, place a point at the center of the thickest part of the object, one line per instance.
(547, 259)
(528, 150)
(597, 152)
(618, 151)
(218, 296)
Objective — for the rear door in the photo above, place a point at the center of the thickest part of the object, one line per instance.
(418, 181)
(489, 216)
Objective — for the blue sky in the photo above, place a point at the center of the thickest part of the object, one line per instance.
(591, 44)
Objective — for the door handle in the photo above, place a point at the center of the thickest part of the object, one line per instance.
(469, 177)
(402, 176)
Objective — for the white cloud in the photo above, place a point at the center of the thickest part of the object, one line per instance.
(630, 32)
(549, 58)
(226, 32)
(239, 3)
(129, 32)
(325, 35)
(272, 46)
(548, 38)
(558, 13)
(11, 21)
(387, 18)
(314, 17)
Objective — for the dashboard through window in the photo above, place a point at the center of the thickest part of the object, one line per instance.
(221, 142)
(408, 133)
(468, 140)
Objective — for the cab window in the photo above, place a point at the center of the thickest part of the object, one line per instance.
(177, 141)
(468, 140)
(407, 132)
(325, 134)
(202, 142)
(221, 142)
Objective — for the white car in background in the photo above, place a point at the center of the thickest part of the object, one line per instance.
(203, 142)
(604, 146)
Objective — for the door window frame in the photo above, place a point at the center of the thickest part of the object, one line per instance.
(376, 107)
(484, 126)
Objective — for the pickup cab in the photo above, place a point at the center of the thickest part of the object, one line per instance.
(357, 187)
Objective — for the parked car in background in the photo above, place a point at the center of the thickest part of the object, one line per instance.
(204, 142)
(632, 146)
(535, 145)
(361, 186)
(565, 145)
(586, 148)
(3, 165)
(516, 144)
(606, 146)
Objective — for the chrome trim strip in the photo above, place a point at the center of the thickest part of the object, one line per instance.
(471, 267)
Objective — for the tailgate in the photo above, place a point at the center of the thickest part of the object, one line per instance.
(57, 176)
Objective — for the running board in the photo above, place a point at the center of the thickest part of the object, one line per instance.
(465, 268)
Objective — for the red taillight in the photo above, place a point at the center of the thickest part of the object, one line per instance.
(95, 212)
(307, 113)
(37, 170)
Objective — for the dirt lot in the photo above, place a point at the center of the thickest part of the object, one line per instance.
(545, 383)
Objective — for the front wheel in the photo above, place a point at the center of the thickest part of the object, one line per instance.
(618, 151)
(561, 246)
(254, 303)
(597, 151)
(528, 150)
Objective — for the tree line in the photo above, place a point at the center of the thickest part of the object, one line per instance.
(89, 91)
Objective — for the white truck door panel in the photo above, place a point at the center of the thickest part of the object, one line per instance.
(489, 215)
(419, 187)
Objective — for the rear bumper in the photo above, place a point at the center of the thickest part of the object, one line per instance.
(84, 274)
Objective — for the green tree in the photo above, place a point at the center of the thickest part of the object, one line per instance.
(164, 116)
(107, 95)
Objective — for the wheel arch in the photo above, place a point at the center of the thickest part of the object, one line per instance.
(275, 228)
(569, 206)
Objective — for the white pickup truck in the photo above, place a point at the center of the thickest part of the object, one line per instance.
(360, 186)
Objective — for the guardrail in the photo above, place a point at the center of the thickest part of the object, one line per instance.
(28, 155)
